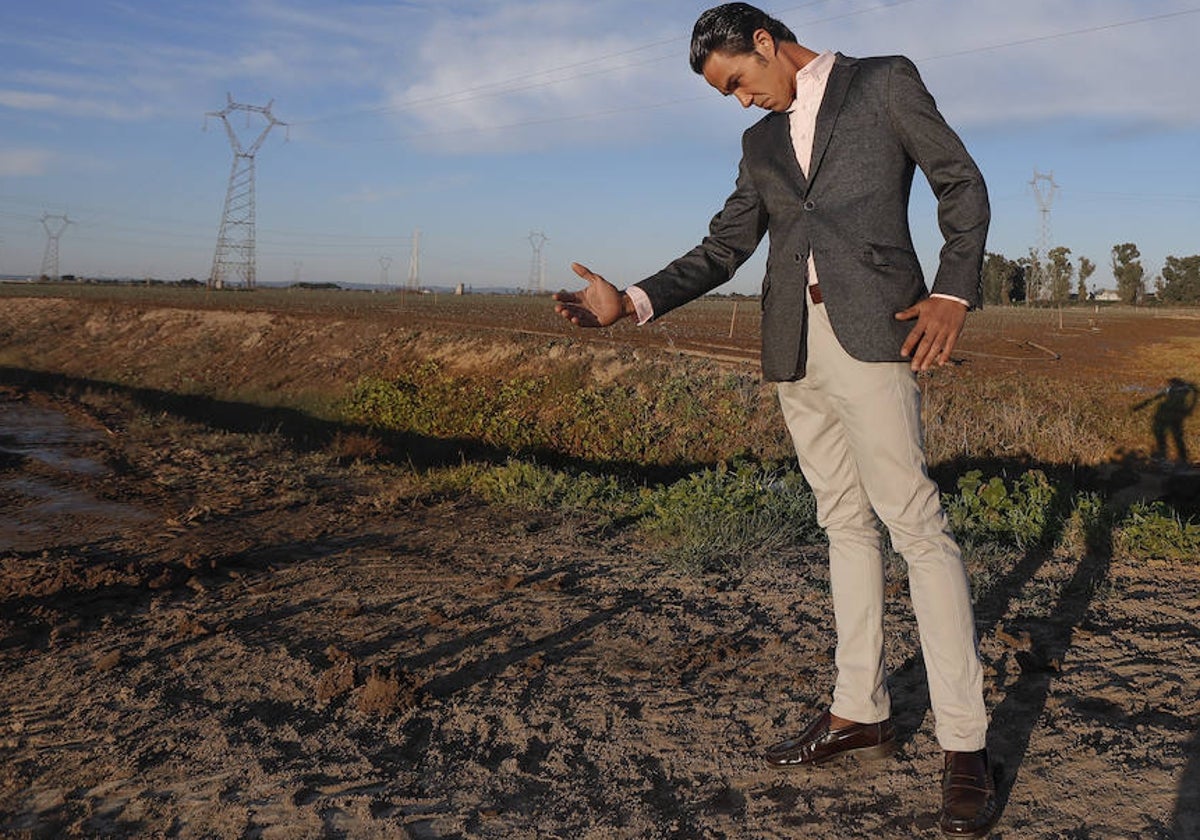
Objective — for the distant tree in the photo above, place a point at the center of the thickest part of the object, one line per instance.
(1181, 280)
(1086, 269)
(1128, 271)
(1059, 272)
(1000, 277)
(1035, 275)
(1017, 293)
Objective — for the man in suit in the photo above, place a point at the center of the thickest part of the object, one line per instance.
(847, 321)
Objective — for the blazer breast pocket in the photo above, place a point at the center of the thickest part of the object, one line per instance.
(892, 259)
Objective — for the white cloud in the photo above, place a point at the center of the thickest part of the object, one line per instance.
(24, 100)
(16, 163)
(1018, 61)
(527, 74)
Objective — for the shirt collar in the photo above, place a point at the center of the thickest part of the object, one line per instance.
(812, 75)
(816, 70)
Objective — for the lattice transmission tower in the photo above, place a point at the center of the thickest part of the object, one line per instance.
(1044, 190)
(233, 260)
(414, 263)
(385, 263)
(537, 269)
(55, 226)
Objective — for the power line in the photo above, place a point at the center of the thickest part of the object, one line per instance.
(1070, 34)
(680, 101)
(519, 84)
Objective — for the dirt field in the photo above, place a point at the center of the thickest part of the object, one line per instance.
(208, 630)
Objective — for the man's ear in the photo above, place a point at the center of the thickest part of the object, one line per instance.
(764, 43)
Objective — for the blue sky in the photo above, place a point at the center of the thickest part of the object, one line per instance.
(479, 121)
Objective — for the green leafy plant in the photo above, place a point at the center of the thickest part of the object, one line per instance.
(1155, 531)
(725, 517)
(993, 511)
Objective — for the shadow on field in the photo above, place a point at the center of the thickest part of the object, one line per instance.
(1186, 821)
(1173, 405)
(1045, 641)
(1013, 719)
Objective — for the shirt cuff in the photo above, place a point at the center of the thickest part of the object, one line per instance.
(951, 297)
(641, 304)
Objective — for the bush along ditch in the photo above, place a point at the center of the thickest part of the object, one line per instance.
(715, 518)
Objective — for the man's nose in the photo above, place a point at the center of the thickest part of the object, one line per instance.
(746, 99)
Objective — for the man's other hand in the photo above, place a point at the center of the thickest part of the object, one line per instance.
(939, 324)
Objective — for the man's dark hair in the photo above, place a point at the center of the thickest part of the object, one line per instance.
(730, 29)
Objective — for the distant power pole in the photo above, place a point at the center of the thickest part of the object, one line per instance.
(414, 263)
(384, 264)
(537, 269)
(1044, 190)
(233, 259)
(55, 226)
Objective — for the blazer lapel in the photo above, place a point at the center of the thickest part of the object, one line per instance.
(840, 76)
(784, 152)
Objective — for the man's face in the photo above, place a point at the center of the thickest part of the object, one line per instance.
(759, 78)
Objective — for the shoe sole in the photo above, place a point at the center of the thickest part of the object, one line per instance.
(875, 753)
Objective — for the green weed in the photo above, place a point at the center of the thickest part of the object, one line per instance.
(1155, 531)
(726, 517)
(1021, 513)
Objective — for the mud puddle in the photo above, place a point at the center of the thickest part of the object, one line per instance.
(49, 478)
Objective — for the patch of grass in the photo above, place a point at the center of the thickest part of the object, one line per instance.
(533, 487)
(661, 416)
(1156, 532)
(1020, 512)
(724, 518)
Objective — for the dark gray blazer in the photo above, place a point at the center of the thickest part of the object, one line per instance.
(875, 124)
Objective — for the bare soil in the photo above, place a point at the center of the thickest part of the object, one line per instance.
(213, 623)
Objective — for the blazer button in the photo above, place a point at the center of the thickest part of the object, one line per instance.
(810, 205)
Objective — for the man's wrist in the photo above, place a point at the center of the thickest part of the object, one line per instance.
(635, 302)
(954, 298)
(627, 306)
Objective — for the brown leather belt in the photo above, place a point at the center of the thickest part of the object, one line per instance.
(814, 292)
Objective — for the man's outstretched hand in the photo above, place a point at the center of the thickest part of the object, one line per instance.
(939, 324)
(599, 305)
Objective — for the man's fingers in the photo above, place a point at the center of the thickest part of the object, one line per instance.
(585, 272)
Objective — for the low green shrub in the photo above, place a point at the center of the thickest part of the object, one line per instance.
(725, 517)
(1155, 531)
(1022, 512)
(534, 487)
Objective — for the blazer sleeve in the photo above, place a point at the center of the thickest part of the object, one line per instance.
(962, 201)
(733, 234)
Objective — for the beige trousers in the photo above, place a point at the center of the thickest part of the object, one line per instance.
(857, 431)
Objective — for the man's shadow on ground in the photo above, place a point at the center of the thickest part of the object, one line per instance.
(1044, 643)
(1172, 406)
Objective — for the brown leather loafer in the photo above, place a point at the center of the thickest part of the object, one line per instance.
(969, 805)
(819, 743)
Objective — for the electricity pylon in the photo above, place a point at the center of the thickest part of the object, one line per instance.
(537, 270)
(1044, 191)
(233, 259)
(53, 232)
(385, 263)
(414, 263)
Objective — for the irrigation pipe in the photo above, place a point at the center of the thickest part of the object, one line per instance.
(1054, 357)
